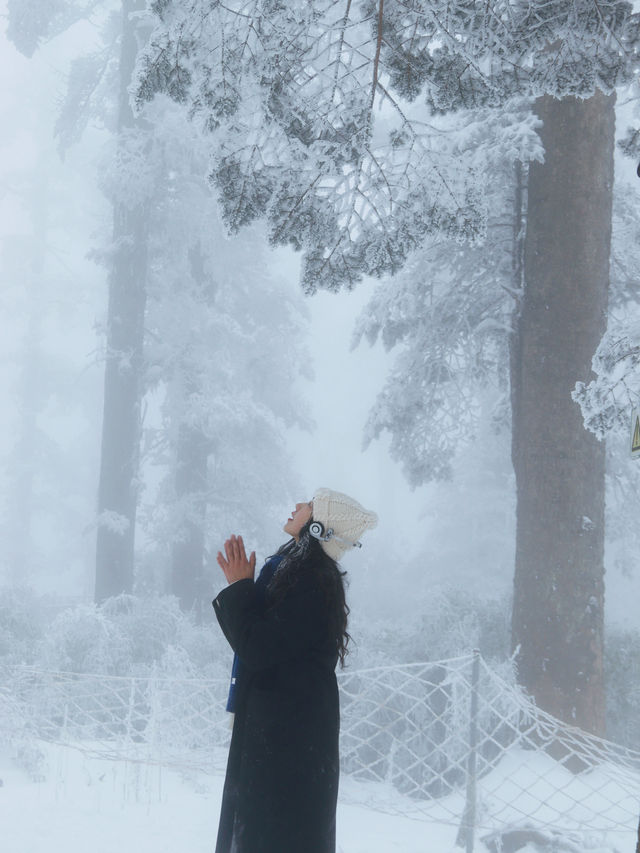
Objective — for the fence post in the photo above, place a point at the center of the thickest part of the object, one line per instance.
(467, 827)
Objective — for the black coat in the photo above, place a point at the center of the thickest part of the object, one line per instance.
(281, 785)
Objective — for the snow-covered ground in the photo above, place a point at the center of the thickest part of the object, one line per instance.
(91, 805)
(83, 804)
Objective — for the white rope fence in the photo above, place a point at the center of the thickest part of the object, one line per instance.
(448, 741)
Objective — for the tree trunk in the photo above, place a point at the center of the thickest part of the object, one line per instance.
(31, 392)
(191, 478)
(187, 557)
(117, 490)
(558, 603)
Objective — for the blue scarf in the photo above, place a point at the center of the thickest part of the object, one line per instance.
(261, 584)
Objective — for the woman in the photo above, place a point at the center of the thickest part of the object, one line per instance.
(288, 630)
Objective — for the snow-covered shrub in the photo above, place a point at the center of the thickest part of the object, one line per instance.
(206, 648)
(145, 637)
(135, 635)
(85, 639)
(450, 622)
(164, 639)
(149, 624)
(22, 620)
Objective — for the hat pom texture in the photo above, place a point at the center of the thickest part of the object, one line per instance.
(345, 516)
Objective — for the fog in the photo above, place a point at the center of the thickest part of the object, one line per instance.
(64, 293)
(246, 392)
(55, 224)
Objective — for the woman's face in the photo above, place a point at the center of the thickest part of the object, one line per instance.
(299, 518)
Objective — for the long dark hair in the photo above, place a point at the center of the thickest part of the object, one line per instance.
(308, 555)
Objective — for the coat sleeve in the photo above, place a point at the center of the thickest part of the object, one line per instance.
(284, 632)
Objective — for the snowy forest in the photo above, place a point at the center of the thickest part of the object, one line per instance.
(389, 247)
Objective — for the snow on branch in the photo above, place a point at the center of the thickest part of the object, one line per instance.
(607, 400)
(332, 119)
(113, 521)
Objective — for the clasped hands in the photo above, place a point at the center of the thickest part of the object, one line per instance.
(236, 567)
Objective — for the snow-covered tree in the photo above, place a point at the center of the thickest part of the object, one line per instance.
(607, 400)
(30, 24)
(449, 315)
(453, 341)
(175, 317)
(318, 110)
(224, 355)
(316, 124)
(47, 448)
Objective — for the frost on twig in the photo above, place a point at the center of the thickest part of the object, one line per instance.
(113, 521)
(606, 400)
(333, 119)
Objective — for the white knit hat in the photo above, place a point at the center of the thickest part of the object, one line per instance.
(343, 521)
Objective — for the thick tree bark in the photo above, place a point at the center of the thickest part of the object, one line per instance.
(117, 490)
(559, 578)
